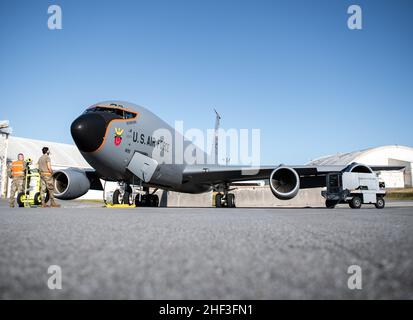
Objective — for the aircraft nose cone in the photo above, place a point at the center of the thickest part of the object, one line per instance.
(88, 131)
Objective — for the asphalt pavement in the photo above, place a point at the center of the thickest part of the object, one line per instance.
(206, 253)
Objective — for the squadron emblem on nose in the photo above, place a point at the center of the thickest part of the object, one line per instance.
(118, 136)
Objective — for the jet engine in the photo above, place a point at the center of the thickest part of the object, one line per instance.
(284, 183)
(70, 184)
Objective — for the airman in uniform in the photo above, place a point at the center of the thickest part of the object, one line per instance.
(46, 177)
(17, 172)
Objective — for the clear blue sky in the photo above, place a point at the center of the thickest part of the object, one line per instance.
(291, 68)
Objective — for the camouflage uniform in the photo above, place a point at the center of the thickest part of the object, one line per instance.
(46, 180)
(17, 184)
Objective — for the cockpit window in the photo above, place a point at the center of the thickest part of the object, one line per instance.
(120, 112)
(128, 115)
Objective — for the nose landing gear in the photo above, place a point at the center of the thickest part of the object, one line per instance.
(125, 195)
(122, 196)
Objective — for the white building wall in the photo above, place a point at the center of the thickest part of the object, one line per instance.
(392, 179)
(407, 174)
(391, 155)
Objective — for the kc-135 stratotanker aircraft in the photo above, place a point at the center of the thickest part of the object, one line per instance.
(127, 143)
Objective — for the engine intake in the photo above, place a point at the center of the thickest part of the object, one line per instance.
(70, 184)
(284, 183)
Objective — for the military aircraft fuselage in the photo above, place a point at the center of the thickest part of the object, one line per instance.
(119, 140)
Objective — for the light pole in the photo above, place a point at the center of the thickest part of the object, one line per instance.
(5, 131)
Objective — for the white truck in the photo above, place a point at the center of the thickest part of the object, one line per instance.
(354, 188)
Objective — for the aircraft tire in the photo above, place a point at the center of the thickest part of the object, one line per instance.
(145, 201)
(330, 204)
(116, 197)
(126, 199)
(218, 199)
(137, 200)
(154, 200)
(231, 200)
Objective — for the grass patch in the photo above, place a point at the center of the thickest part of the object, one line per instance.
(400, 194)
(90, 200)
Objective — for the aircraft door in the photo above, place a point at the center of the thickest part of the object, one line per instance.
(142, 166)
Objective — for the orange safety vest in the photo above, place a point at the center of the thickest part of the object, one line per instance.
(17, 168)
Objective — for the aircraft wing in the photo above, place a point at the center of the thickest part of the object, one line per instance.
(310, 176)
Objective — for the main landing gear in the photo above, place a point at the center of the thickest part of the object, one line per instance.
(224, 199)
(147, 199)
(125, 195)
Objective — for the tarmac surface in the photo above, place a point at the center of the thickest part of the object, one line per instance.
(206, 253)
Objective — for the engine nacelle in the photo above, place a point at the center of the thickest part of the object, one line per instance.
(284, 183)
(70, 184)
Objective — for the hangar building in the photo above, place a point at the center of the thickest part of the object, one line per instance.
(384, 155)
(62, 155)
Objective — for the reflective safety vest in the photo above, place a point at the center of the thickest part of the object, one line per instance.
(17, 168)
